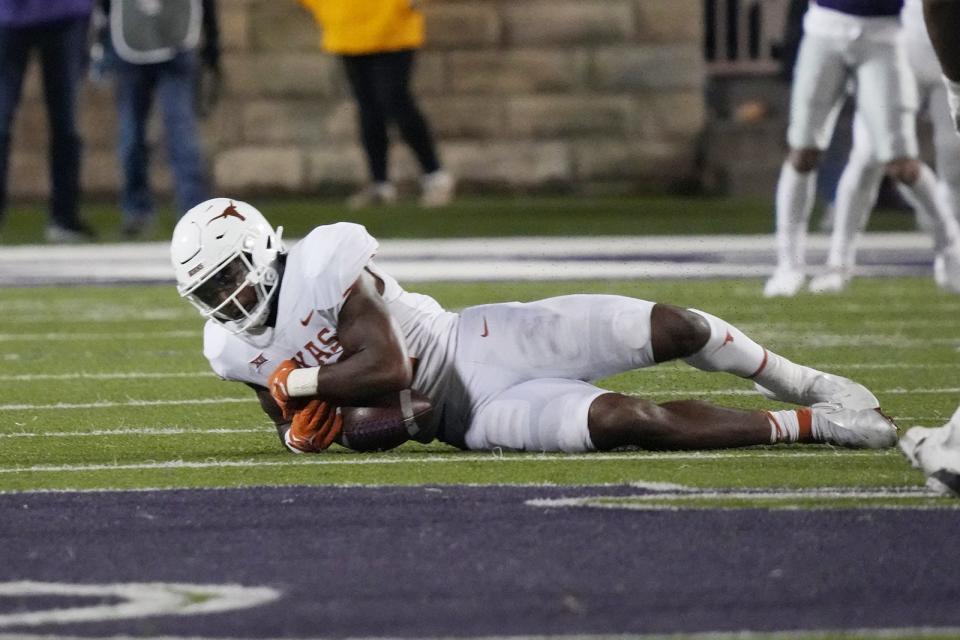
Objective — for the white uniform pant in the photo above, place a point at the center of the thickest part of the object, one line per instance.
(524, 368)
(838, 49)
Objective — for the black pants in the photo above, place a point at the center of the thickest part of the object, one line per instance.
(380, 84)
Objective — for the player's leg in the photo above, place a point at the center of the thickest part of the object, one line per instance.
(889, 96)
(573, 416)
(815, 102)
(947, 145)
(710, 343)
(616, 420)
(936, 451)
(360, 72)
(856, 196)
(15, 45)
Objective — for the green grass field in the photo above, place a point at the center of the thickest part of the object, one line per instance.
(107, 388)
(480, 216)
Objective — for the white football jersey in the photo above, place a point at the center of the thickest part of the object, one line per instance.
(319, 271)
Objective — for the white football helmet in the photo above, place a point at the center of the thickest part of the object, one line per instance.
(225, 255)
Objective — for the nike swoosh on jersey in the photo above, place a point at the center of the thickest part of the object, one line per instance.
(306, 320)
(486, 331)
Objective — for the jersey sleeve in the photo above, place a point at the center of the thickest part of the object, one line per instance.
(333, 257)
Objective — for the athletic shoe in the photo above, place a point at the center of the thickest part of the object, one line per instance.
(946, 268)
(438, 188)
(830, 282)
(863, 429)
(938, 456)
(373, 195)
(826, 387)
(69, 234)
(926, 436)
(784, 283)
(916, 436)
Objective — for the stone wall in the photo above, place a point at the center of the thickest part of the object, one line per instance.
(522, 95)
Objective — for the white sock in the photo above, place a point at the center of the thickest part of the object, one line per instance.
(856, 195)
(728, 350)
(790, 426)
(795, 197)
(948, 199)
(922, 195)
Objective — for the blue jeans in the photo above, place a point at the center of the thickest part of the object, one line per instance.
(62, 49)
(172, 83)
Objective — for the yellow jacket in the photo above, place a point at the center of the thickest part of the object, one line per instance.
(354, 27)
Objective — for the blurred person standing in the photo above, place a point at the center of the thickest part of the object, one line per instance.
(155, 50)
(377, 42)
(56, 30)
(861, 178)
(845, 41)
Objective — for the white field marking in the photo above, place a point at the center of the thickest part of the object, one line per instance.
(144, 431)
(129, 403)
(659, 370)
(642, 392)
(752, 392)
(851, 634)
(140, 600)
(454, 458)
(77, 337)
(82, 375)
(657, 500)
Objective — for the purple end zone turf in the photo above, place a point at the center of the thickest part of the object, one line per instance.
(468, 561)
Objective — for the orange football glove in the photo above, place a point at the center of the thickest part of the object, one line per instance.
(314, 427)
(277, 384)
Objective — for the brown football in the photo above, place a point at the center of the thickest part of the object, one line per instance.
(387, 422)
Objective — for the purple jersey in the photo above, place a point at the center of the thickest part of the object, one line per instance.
(866, 8)
(26, 13)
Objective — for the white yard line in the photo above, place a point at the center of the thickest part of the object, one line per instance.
(129, 403)
(78, 375)
(144, 431)
(104, 404)
(452, 458)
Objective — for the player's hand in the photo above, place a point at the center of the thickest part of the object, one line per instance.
(277, 384)
(314, 427)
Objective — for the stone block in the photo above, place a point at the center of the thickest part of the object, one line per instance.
(465, 116)
(280, 75)
(282, 26)
(653, 164)
(669, 21)
(29, 176)
(256, 168)
(429, 74)
(234, 22)
(101, 172)
(335, 165)
(569, 115)
(514, 164)
(669, 114)
(298, 121)
(645, 68)
(462, 25)
(560, 22)
(517, 71)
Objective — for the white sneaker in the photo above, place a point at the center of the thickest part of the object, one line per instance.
(830, 282)
(863, 429)
(784, 283)
(928, 437)
(438, 188)
(946, 268)
(372, 195)
(916, 436)
(829, 388)
(938, 456)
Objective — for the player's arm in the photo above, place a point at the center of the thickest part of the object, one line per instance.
(272, 410)
(375, 358)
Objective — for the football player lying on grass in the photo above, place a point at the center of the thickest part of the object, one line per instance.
(338, 351)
